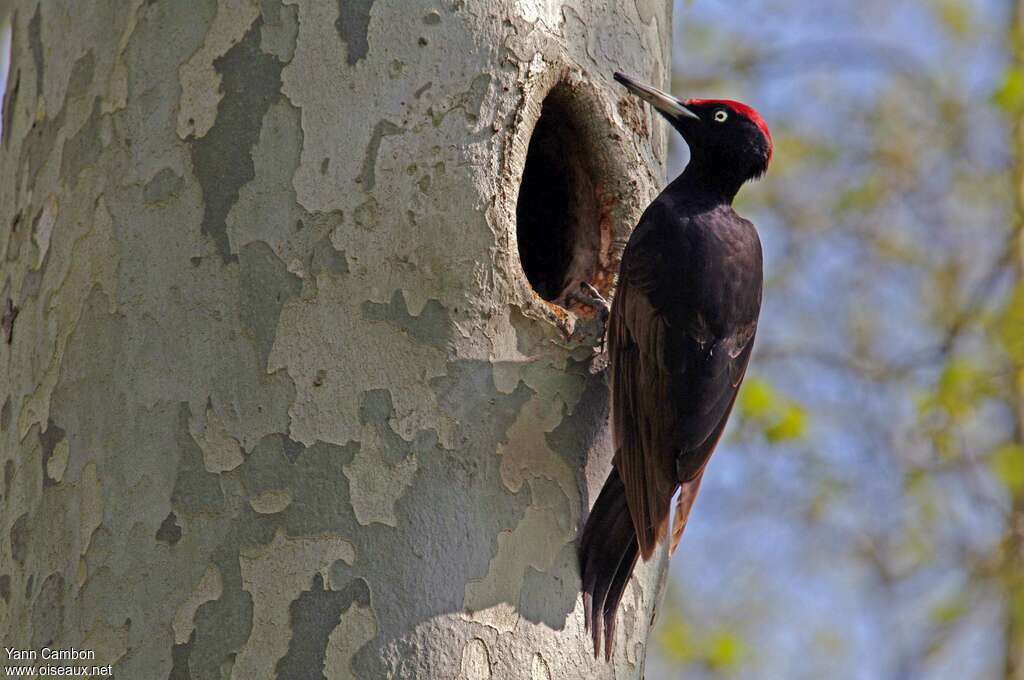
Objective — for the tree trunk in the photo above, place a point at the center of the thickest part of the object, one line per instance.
(290, 383)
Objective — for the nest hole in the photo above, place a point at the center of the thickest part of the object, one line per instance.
(558, 212)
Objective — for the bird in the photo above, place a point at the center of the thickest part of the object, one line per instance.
(680, 332)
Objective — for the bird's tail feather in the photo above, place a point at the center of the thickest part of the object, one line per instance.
(684, 503)
(608, 552)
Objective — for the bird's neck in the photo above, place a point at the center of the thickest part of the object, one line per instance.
(700, 185)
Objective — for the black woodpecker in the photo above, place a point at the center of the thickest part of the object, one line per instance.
(680, 333)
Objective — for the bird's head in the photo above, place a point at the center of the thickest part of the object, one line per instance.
(726, 138)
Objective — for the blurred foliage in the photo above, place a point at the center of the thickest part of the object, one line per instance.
(887, 379)
(720, 651)
(780, 419)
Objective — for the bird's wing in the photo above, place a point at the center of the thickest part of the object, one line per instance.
(674, 382)
(642, 424)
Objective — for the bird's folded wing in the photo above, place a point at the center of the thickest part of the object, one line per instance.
(642, 417)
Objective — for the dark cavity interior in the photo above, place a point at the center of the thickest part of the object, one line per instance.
(557, 214)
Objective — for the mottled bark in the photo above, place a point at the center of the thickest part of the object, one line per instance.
(277, 397)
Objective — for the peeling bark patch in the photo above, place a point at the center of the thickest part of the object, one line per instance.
(274, 576)
(48, 612)
(476, 661)
(195, 490)
(265, 286)
(431, 327)
(368, 176)
(324, 257)
(539, 669)
(376, 410)
(223, 626)
(352, 25)
(280, 29)
(8, 477)
(200, 85)
(221, 451)
(385, 465)
(19, 538)
(162, 186)
(82, 73)
(48, 440)
(469, 101)
(10, 101)
(35, 42)
(209, 588)
(313, 616)
(7, 321)
(82, 150)
(169, 531)
(251, 82)
(358, 626)
(180, 654)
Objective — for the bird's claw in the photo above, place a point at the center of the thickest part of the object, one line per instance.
(588, 295)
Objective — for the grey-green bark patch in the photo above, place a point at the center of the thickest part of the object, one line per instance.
(10, 100)
(8, 477)
(5, 588)
(265, 286)
(195, 490)
(162, 186)
(324, 257)
(251, 82)
(222, 626)
(352, 25)
(35, 42)
(7, 320)
(376, 411)
(19, 538)
(169, 531)
(82, 73)
(84, 148)
(179, 660)
(48, 440)
(313, 616)
(280, 29)
(431, 327)
(368, 176)
(48, 612)
(5, 414)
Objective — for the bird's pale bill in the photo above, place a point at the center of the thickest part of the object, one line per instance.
(662, 101)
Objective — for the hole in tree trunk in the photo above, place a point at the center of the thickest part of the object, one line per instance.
(558, 213)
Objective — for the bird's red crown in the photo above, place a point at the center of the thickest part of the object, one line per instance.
(741, 109)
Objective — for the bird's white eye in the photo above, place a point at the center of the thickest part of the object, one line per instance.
(721, 115)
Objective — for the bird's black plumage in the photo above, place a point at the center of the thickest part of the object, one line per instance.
(680, 335)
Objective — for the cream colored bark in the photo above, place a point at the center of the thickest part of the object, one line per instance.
(276, 397)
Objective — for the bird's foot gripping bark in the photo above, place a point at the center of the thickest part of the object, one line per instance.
(596, 328)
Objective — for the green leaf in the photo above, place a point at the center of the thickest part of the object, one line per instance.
(949, 611)
(1007, 463)
(675, 639)
(758, 399)
(725, 651)
(791, 425)
(955, 16)
(781, 419)
(1011, 325)
(1010, 95)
